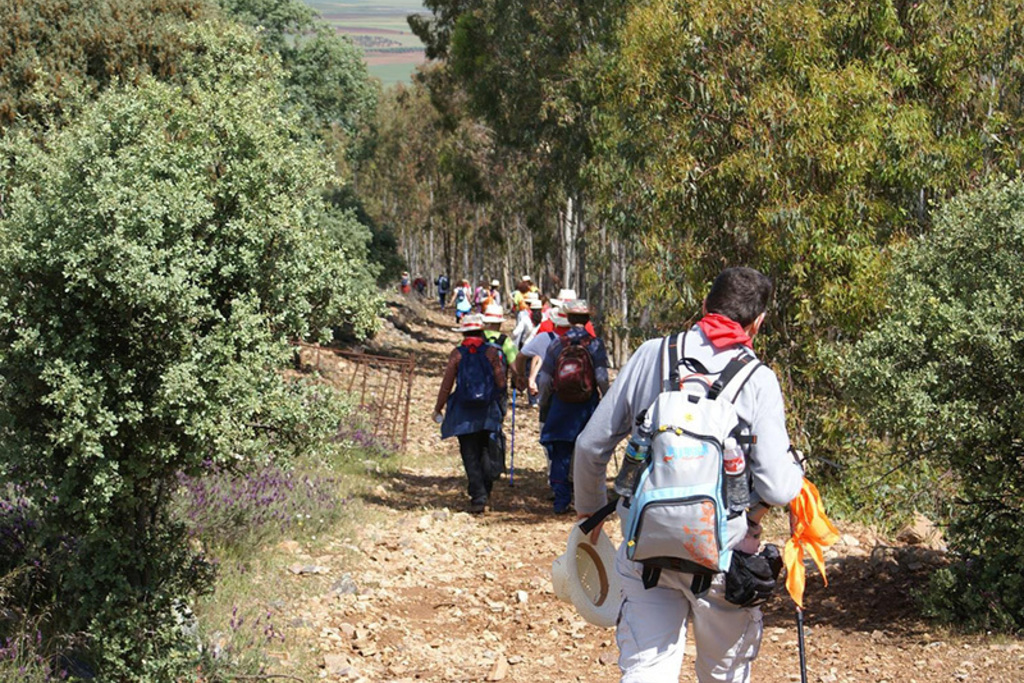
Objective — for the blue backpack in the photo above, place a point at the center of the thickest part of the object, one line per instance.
(475, 385)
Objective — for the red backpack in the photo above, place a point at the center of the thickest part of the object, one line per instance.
(574, 380)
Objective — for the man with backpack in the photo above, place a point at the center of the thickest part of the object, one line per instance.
(443, 287)
(472, 411)
(704, 415)
(572, 378)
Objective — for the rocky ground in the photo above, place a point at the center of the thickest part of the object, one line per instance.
(428, 592)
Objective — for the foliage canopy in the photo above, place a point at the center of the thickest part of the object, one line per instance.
(157, 253)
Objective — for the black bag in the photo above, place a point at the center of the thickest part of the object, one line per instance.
(750, 580)
(494, 457)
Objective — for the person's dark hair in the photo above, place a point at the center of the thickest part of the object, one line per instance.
(740, 294)
(535, 315)
(523, 287)
(578, 318)
(473, 333)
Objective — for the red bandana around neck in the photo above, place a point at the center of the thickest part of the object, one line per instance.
(474, 343)
(723, 332)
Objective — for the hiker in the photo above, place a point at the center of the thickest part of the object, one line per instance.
(520, 292)
(404, 284)
(573, 377)
(530, 357)
(462, 299)
(472, 411)
(494, 316)
(651, 631)
(494, 293)
(443, 286)
(564, 295)
(527, 320)
(479, 295)
(420, 285)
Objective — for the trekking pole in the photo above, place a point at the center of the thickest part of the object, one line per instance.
(512, 467)
(800, 641)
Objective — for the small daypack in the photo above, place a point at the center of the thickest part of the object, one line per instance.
(574, 380)
(678, 511)
(442, 284)
(475, 386)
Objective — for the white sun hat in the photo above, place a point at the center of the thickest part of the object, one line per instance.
(470, 323)
(558, 317)
(563, 296)
(494, 313)
(585, 576)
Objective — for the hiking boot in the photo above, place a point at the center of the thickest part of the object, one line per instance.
(477, 508)
(563, 509)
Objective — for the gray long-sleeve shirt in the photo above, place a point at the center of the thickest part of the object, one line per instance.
(777, 478)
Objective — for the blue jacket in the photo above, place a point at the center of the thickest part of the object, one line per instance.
(460, 418)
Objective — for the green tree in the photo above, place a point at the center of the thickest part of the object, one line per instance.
(326, 77)
(942, 376)
(156, 255)
(56, 51)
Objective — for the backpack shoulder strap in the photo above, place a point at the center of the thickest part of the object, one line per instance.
(734, 377)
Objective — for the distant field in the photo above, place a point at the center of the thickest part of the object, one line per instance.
(380, 28)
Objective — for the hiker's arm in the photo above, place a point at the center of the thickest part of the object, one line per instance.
(635, 388)
(535, 364)
(777, 478)
(448, 381)
(519, 370)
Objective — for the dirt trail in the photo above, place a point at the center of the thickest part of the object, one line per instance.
(439, 595)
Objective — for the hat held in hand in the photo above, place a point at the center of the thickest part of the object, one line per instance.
(585, 576)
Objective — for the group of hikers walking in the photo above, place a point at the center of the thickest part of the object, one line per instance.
(708, 455)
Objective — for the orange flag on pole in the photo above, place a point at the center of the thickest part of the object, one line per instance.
(813, 531)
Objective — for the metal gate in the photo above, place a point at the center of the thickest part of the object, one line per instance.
(382, 384)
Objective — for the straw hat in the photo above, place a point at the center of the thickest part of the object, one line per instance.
(536, 304)
(526, 278)
(473, 322)
(558, 318)
(576, 306)
(495, 283)
(494, 314)
(563, 296)
(585, 576)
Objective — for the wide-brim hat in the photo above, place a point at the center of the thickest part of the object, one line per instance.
(536, 304)
(558, 318)
(495, 283)
(494, 314)
(526, 278)
(563, 296)
(585, 576)
(473, 322)
(577, 307)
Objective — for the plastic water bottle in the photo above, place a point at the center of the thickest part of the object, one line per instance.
(737, 489)
(634, 461)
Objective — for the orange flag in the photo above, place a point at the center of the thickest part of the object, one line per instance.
(812, 531)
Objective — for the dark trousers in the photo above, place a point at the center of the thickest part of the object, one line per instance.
(473, 448)
(441, 296)
(560, 453)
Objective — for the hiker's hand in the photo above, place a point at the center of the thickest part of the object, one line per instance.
(533, 388)
(438, 417)
(596, 533)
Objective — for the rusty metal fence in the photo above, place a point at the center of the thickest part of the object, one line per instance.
(382, 384)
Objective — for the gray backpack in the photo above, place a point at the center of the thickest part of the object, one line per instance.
(679, 509)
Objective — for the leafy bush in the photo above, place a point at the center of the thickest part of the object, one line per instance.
(156, 254)
(942, 376)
